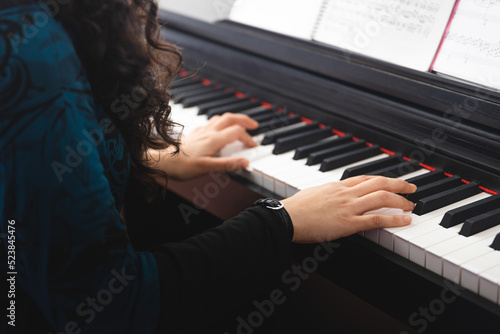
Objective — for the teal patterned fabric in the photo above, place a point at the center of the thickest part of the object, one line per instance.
(63, 171)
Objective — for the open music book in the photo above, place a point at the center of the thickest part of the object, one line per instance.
(288, 17)
(407, 33)
(471, 49)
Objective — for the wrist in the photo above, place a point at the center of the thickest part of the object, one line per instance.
(295, 220)
(277, 208)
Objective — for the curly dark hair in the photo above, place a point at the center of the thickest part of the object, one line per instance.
(120, 46)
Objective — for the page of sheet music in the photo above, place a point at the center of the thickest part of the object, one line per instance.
(209, 11)
(289, 17)
(471, 50)
(403, 32)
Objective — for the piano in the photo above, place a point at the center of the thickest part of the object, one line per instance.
(326, 114)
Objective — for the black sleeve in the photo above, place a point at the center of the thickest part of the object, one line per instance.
(210, 274)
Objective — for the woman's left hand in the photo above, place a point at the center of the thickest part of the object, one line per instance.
(196, 156)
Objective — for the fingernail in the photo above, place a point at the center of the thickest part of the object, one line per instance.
(407, 219)
(414, 187)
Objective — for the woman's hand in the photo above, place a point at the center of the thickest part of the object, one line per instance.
(197, 150)
(336, 210)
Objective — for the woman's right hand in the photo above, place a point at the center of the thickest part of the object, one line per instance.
(335, 210)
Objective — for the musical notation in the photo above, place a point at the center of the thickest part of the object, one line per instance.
(404, 32)
(471, 50)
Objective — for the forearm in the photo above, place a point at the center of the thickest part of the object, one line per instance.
(209, 275)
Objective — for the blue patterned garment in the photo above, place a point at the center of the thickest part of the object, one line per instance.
(63, 171)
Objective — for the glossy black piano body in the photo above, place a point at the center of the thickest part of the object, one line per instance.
(437, 121)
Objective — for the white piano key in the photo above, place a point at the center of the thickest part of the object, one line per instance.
(266, 164)
(372, 235)
(281, 162)
(436, 252)
(322, 179)
(489, 284)
(418, 246)
(269, 162)
(289, 174)
(387, 234)
(471, 271)
(253, 154)
(403, 239)
(178, 109)
(452, 263)
(282, 179)
(310, 180)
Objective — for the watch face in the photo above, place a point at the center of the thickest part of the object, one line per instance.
(273, 204)
(270, 203)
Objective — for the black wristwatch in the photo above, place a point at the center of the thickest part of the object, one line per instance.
(278, 208)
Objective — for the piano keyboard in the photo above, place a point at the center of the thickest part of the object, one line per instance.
(455, 231)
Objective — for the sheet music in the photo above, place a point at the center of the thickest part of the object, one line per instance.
(471, 50)
(403, 32)
(289, 17)
(208, 11)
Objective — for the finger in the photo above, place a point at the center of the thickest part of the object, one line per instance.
(355, 180)
(371, 222)
(382, 199)
(222, 164)
(383, 183)
(230, 134)
(230, 119)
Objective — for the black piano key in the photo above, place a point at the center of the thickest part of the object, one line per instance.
(264, 117)
(459, 215)
(372, 166)
(402, 168)
(260, 110)
(183, 83)
(179, 98)
(204, 108)
(434, 188)
(275, 123)
(187, 88)
(480, 223)
(349, 158)
(318, 156)
(289, 143)
(496, 242)
(208, 97)
(437, 201)
(304, 151)
(274, 135)
(236, 105)
(427, 178)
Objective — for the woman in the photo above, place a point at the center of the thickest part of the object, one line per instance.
(84, 107)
